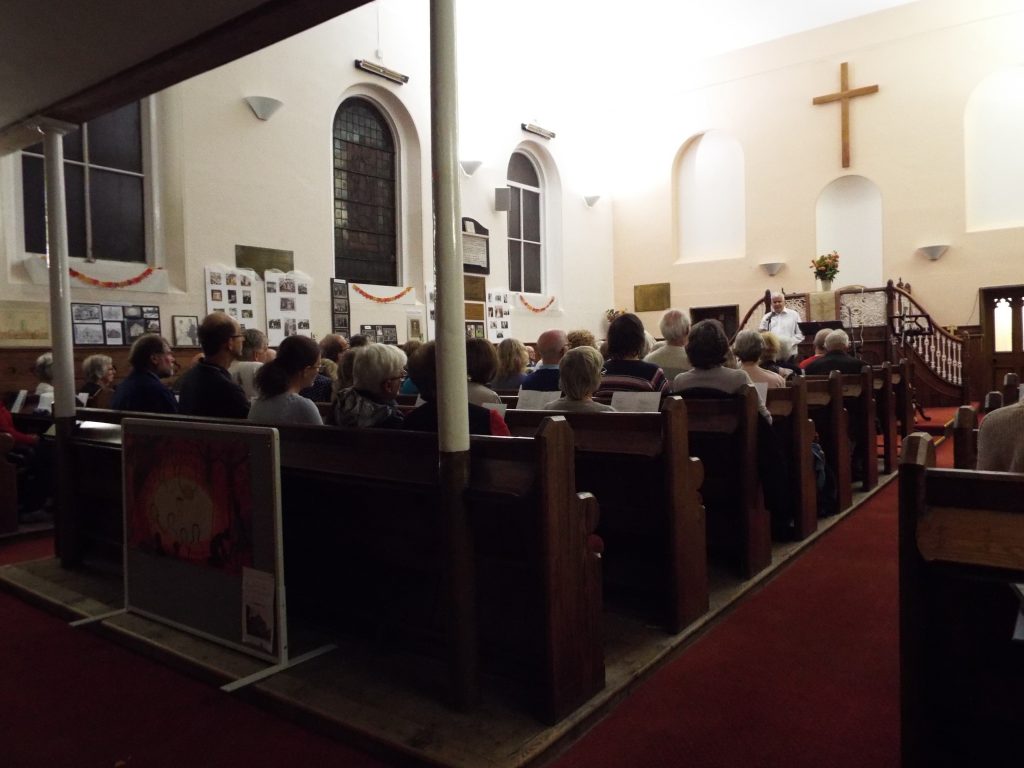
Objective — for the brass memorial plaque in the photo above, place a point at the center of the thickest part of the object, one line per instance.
(261, 259)
(475, 288)
(652, 297)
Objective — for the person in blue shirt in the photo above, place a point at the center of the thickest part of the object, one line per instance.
(552, 346)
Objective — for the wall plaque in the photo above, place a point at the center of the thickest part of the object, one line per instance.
(261, 259)
(652, 297)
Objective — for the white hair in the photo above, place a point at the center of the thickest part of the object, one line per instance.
(836, 340)
(375, 363)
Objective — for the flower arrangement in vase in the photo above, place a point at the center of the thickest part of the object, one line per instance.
(825, 268)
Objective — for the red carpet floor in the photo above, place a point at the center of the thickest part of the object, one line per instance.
(802, 673)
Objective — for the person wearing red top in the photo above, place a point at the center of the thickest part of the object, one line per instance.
(7, 425)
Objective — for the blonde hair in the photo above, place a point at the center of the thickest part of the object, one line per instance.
(580, 372)
(512, 358)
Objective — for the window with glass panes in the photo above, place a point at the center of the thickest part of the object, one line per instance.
(103, 186)
(524, 226)
(365, 240)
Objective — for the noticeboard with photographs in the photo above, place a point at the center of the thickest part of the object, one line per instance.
(112, 325)
(288, 305)
(341, 310)
(380, 334)
(233, 291)
(499, 315)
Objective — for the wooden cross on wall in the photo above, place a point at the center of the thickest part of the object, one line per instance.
(843, 96)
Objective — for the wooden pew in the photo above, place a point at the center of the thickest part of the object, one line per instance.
(961, 544)
(903, 392)
(790, 420)
(965, 438)
(859, 401)
(652, 520)
(885, 412)
(365, 550)
(8, 487)
(826, 409)
(723, 435)
(992, 401)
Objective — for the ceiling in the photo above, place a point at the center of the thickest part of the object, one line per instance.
(71, 60)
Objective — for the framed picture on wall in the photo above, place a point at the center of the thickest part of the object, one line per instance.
(186, 330)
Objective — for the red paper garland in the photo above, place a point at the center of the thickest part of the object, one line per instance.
(536, 310)
(378, 299)
(111, 283)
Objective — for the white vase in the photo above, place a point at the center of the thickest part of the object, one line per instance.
(824, 285)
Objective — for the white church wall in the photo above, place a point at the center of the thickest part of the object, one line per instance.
(907, 138)
(849, 221)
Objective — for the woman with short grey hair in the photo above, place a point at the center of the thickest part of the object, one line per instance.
(377, 374)
(748, 347)
(579, 374)
(43, 369)
(99, 372)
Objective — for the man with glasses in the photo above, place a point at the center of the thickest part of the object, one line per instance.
(151, 359)
(207, 388)
(377, 374)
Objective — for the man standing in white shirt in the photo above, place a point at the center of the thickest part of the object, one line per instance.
(783, 322)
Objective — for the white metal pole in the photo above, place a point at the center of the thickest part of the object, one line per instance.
(60, 287)
(452, 396)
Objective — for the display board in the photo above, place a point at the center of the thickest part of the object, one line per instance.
(476, 247)
(114, 325)
(288, 305)
(499, 315)
(233, 291)
(341, 309)
(202, 532)
(380, 334)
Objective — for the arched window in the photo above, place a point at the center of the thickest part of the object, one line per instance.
(710, 193)
(365, 180)
(525, 247)
(993, 154)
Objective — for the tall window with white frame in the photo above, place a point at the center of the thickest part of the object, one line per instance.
(365, 192)
(525, 247)
(103, 185)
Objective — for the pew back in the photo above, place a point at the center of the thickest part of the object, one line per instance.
(652, 521)
(961, 544)
(826, 408)
(965, 438)
(790, 420)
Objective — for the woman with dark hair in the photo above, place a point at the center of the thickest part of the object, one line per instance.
(708, 348)
(279, 381)
(481, 363)
(423, 371)
(624, 370)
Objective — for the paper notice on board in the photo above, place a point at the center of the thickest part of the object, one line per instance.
(258, 614)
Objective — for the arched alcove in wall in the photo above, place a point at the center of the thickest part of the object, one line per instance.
(709, 190)
(848, 219)
(993, 152)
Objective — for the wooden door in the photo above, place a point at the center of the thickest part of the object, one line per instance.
(1002, 323)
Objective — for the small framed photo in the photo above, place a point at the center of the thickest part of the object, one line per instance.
(152, 326)
(134, 328)
(216, 294)
(287, 304)
(151, 313)
(231, 279)
(86, 313)
(232, 297)
(113, 312)
(113, 333)
(186, 330)
(271, 287)
(247, 314)
(275, 324)
(247, 297)
(133, 311)
(287, 285)
(245, 280)
(88, 333)
(303, 289)
(215, 278)
(303, 325)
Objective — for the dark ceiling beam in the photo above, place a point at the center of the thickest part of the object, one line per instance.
(265, 25)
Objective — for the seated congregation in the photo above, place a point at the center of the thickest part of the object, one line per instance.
(717, 473)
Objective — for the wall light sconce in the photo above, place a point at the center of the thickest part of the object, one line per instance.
(379, 71)
(591, 200)
(537, 130)
(771, 268)
(502, 199)
(263, 106)
(933, 252)
(469, 167)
